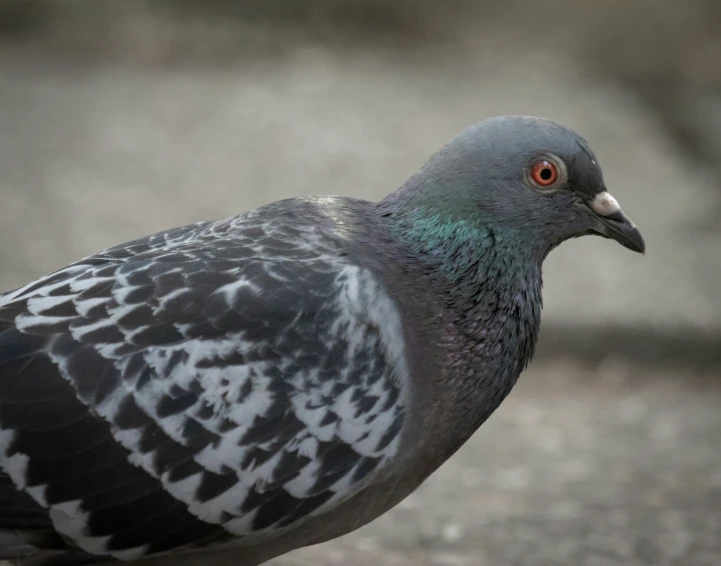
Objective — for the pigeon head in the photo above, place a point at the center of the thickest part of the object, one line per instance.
(525, 181)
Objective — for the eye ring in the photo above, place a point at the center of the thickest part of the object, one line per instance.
(546, 172)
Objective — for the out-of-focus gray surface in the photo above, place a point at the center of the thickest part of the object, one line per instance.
(91, 157)
(122, 119)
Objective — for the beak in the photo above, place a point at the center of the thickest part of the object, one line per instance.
(614, 224)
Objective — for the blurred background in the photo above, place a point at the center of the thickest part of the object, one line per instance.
(118, 119)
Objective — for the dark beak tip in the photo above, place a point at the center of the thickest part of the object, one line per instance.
(619, 227)
(630, 238)
(634, 240)
(642, 247)
(637, 245)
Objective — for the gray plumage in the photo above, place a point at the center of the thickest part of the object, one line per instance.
(282, 377)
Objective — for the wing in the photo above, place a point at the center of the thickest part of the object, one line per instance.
(224, 379)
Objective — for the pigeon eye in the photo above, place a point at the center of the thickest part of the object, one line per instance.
(544, 173)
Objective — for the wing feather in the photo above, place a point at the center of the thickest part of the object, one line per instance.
(228, 378)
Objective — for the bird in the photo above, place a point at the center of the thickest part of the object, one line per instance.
(239, 388)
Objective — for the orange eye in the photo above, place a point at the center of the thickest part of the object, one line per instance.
(544, 173)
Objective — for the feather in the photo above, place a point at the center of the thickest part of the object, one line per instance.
(225, 379)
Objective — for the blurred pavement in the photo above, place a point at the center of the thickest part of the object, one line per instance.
(90, 157)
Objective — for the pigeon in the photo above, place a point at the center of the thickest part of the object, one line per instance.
(239, 388)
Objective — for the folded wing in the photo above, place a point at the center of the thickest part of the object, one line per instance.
(227, 379)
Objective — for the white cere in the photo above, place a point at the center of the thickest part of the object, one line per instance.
(604, 204)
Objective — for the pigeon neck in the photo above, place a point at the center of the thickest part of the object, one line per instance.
(491, 295)
(492, 280)
(475, 252)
